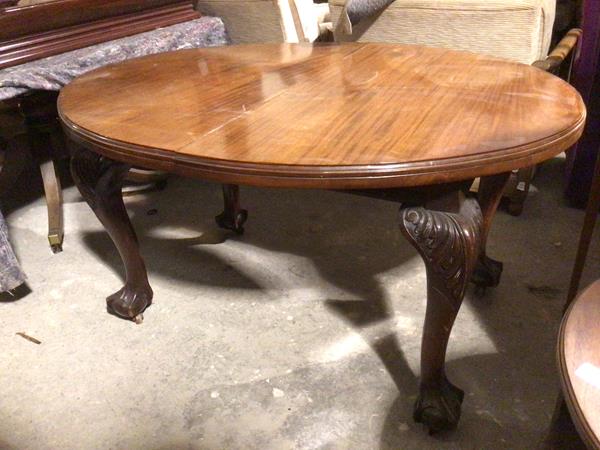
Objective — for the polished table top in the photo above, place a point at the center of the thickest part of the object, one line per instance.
(335, 116)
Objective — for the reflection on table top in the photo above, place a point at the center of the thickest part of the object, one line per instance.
(367, 107)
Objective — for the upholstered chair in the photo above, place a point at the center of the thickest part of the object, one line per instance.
(518, 30)
(269, 20)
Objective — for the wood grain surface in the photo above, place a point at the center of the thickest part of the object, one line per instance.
(332, 116)
(579, 363)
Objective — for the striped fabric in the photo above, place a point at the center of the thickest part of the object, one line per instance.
(252, 21)
(247, 21)
(519, 30)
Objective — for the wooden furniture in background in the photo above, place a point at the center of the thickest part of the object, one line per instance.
(414, 123)
(37, 31)
(579, 363)
(579, 341)
(520, 182)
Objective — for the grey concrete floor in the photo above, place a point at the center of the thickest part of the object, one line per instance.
(302, 334)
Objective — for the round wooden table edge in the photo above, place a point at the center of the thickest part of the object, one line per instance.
(390, 175)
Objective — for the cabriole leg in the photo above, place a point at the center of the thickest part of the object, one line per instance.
(99, 180)
(488, 271)
(448, 238)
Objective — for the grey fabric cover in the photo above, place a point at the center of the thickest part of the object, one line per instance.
(11, 275)
(52, 73)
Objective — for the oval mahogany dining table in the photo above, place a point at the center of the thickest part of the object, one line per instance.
(408, 123)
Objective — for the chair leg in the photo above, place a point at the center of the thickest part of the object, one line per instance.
(53, 193)
(39, 111)
(516, 198)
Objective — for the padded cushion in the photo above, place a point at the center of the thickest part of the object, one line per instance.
(519, 30)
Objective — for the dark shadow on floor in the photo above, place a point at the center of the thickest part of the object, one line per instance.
(350, 250)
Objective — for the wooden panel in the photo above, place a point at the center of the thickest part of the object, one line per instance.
(335, 116)
(579, 363)
(40, 45)
(28, 20)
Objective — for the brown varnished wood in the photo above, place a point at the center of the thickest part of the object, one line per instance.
(356, 116)
(332, 116)
(487, 271)
(41, 30)
(563, 49)
(447, 233)
(32, 32)
(578, 354)
(21, 20)
(100, 181)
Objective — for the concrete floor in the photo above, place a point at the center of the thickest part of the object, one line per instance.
(302, 334)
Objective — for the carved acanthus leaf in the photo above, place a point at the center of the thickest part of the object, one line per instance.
(448, 242)
(92, 171)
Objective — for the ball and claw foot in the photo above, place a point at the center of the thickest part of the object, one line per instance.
(130, 303)
(486, 274)
(439, 408)
(234, 222)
